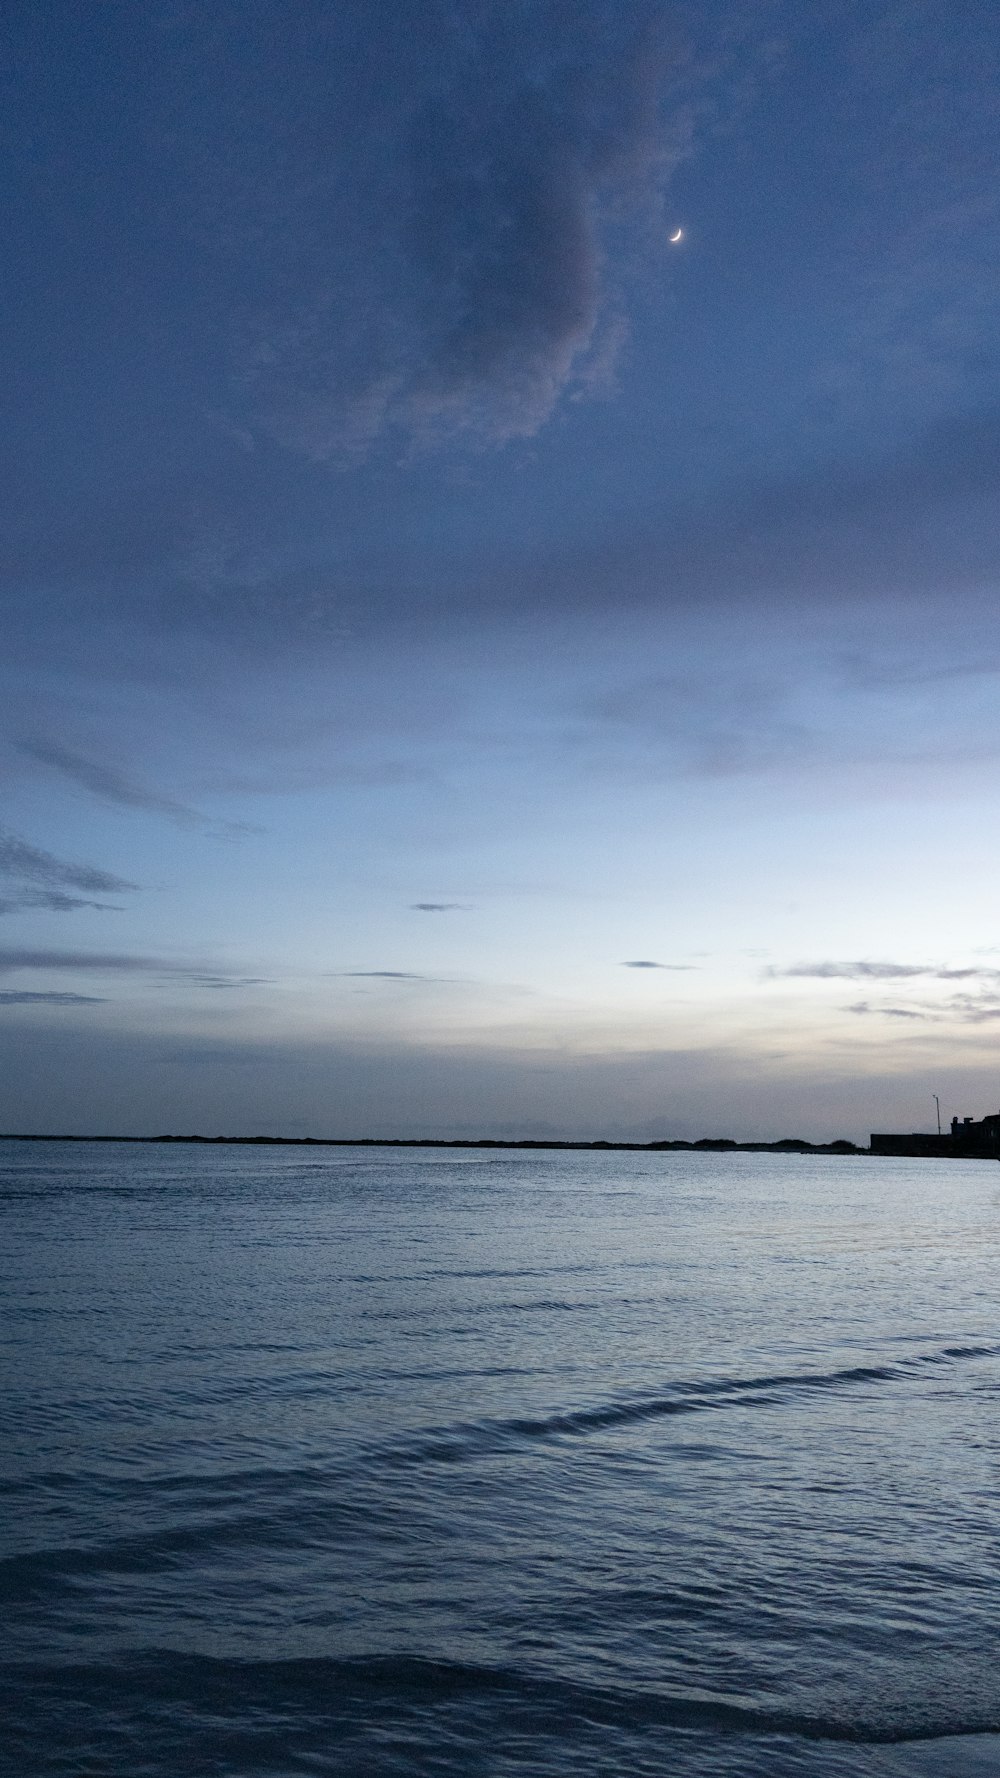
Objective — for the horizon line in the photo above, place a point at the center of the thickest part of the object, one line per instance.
(785, 1144)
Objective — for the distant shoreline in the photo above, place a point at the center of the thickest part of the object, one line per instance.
(705, 1144)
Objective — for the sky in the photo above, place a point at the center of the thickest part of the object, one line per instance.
(500, 551)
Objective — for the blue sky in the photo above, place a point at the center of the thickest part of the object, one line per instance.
(471, 663)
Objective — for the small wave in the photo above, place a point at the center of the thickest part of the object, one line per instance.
(449, 1444)
(292, 1524)
(326, 1690)
(968, 1352)
(291, 1507)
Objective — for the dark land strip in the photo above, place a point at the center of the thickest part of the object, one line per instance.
(713, 1144)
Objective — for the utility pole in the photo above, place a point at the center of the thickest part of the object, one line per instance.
(938, 1104)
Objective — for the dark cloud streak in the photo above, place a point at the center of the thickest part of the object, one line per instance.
(386, 975)
(36, 879)
(15, 959)
(889, 1012)
(54, 901)
(29, 863)
(648, 963)
(870, 971)
(23, 997)
(113, 786)
(963, 1009)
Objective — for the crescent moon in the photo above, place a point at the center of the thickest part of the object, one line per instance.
(679, 236)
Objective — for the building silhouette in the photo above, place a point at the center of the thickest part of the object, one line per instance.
(968, 1139)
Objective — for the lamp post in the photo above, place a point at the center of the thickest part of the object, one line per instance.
(938, 1104)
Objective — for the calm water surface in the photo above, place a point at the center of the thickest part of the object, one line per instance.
(425, 1462)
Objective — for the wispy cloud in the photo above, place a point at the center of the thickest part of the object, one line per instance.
(105, 782)
(649, 963)
(883, 972)
(888, 1012)
(23, 997)
(33, 878)
(440, 907)
(55, 901)
(882, 522)
(114, 786)
(963, 1009)
(23, 959)
(979, 1006)
(386, 975)
(729, 722)
(231, 981)
(13, 958)
(30, 863)
(973, 1011)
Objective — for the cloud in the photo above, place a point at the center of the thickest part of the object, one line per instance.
(973, 1010)
(901, 523)
(965, 1009)
(113, 786)
(890, 1012)
(900, 520)
(69, 1079)
(962, 1008)
(648, 963)
(54, 900)
(15, 959)
(880, 674)
(233, 981)
(22, 997)
(848, 971)
(20, 860)
(414, 217)
(444, 186)
(387, 975)
(883, 972)
(440, 907)
(715, 723)
(105, 782)
(33, 878)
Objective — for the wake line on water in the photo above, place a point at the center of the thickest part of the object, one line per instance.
(471, 1439)
(333, 1691)
(448, 1445)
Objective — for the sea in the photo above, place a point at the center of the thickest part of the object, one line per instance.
(432, 1461)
